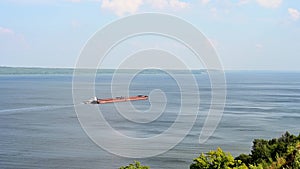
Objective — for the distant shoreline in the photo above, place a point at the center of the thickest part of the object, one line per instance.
(8, 70)
(35, 70)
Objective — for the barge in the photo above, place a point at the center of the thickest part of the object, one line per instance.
(95, 100)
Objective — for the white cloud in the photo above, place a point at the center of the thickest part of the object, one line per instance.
(259, 46)
(173, 4)
(47, 2)
(214, 11)
(6, 31)
(75, 24)
(205, 1)
(10, 39)
(159, 4)
(73, 1)
(269, 3)
(295, 14)
(121, 7)
(243, 2)
(178, 4)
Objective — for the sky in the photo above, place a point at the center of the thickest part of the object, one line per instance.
(247, 34)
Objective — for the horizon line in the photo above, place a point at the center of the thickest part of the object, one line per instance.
(45, 67)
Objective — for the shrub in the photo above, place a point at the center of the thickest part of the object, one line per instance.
(217, 159)
(136, 165)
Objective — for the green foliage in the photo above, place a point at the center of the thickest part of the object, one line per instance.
(270, 150)
(293, 158)
(281, 153)
(296, 162)
(136, 165)
(260, 166)
(276, 153)
(244, 158)
(217, 159)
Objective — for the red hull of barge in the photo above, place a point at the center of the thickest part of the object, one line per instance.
(121, 99)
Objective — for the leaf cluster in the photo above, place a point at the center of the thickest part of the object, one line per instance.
(135, 165)
(276, 153)
(217, 159)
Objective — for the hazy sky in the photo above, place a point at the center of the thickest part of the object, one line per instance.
(247, 34)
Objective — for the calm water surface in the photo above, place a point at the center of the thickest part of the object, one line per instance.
(39, 127)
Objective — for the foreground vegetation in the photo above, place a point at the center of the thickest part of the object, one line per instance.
(277, 153)
(136, 165)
